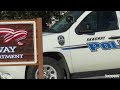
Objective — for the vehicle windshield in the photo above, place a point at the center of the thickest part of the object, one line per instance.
(62, 25)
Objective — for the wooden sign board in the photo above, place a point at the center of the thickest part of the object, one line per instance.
(18, 42)
(21, 43)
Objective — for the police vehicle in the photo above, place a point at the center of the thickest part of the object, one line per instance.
(82, 44)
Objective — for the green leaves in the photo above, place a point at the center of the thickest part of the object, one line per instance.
(16, 15)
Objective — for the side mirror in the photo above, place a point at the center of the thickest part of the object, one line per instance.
(69, 19)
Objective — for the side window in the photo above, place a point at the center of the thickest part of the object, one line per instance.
(106, 21)
(89, 24)
(98, 21)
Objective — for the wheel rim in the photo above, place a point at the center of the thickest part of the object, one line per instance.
(48, 72)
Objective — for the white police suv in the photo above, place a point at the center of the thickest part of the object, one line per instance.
(82, 44)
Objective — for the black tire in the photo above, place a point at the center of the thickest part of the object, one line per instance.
(30, 74)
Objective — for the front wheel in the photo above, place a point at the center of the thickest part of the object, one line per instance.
(51, 69)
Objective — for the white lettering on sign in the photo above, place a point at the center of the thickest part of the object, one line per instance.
(15, 56)
(10, 49)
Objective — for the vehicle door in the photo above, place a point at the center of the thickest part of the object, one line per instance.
(94, 41)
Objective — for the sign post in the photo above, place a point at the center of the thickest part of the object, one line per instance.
(21, 43)
(40, 56)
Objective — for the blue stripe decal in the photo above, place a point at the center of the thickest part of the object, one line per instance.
(74, 47)
(71, 48)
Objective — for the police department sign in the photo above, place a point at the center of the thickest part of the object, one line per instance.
(18, 42)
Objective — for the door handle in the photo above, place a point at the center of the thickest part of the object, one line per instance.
(114, 37)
